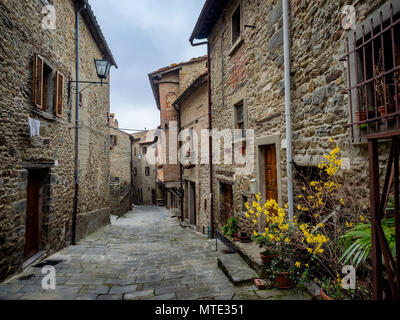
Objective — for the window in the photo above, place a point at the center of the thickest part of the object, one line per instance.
(373, 58)
(144, 150)
(239, 118)
(135, 172)
(113, 140)
(135, 151)
(48, 87)
(147, 171)
(236, 25)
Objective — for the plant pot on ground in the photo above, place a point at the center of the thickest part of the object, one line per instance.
(267, 256)
(283, 280)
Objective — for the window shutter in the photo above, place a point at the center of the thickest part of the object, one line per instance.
(115, 140)
(59, 94)
(37, 94)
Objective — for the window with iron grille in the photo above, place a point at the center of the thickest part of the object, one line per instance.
(373, 61)
(147, 171)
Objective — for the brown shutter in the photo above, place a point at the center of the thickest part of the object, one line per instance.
(115, 140)
(37, 94)
(58, 94)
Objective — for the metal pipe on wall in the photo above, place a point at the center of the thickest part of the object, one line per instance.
(289, 156)
(75, 212)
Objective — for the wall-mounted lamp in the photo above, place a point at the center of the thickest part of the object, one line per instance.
(103, 67)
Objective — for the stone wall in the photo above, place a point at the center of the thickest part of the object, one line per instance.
(252, 70)
(21, 37)
(120, 157)
(143, 185)
(194, 116)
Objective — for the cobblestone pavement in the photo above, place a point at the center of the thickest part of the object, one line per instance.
(143, 255)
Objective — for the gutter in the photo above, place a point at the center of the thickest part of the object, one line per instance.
(289, 155)
(76, 195)
(210, 145)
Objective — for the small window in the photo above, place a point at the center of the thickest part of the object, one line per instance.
(236, 25)
(147, 171)
(239, 118)
(113, 140)
(135, 151)
(48, 86)
(144, 150)
(135, 172)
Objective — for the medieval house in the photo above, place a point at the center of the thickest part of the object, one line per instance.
(120, 168)
(167, 84)
(144, 171)
(192, 107)
(50, 194)
(333, 72)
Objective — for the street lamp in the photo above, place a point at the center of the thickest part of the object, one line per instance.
(103, 67)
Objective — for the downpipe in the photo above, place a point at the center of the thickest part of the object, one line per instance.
(75, 212)
(289, 156)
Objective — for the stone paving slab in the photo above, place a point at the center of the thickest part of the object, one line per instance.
(143, 255)
(236, 269)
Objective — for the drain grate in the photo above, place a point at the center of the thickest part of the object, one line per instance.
(48, 263)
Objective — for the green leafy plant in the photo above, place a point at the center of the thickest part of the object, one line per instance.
(231, 227)
(358, 242)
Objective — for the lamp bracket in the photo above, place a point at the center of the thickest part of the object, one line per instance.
(89, 83)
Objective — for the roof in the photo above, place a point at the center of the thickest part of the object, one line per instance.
(209, 15)
(200, 80)
(173, 67)
(95, 30)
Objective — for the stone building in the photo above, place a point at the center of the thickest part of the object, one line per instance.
(245, 42)
(120, 168)
(192, 106)
(37, 132)
(144, 172)
(167, 84)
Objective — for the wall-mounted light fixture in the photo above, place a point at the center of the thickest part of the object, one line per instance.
(103, 67)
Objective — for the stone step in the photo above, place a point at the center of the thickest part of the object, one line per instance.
(236, 269)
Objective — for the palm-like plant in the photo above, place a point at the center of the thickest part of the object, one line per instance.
(358, 242)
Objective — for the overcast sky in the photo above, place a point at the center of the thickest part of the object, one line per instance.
(143, 37)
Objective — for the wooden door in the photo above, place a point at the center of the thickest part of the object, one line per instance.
(32, 214)
(192, 204)
(271, 181)
(228, 200)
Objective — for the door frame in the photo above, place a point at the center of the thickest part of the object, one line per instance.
(260, 164)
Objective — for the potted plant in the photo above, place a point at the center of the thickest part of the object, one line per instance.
(231, 228)
(281, 272)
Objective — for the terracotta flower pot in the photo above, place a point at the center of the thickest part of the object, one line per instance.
(267, 259)
(283, 281)
(390, 109)
(324, 295)
(362, 116)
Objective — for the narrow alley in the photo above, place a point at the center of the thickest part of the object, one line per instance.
(143, 255)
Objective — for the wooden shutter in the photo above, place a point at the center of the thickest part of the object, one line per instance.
(115, 140)
(58, 94)
(37, 94)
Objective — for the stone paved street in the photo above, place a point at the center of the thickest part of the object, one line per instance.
(143, 255)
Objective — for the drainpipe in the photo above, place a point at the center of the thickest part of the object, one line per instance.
(75, 213)
(178, 109)
(289, 156)
(210, 145)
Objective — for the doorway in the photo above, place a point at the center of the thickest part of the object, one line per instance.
(192, 203)
(271, 175)
(227, 201)
(36, 180)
